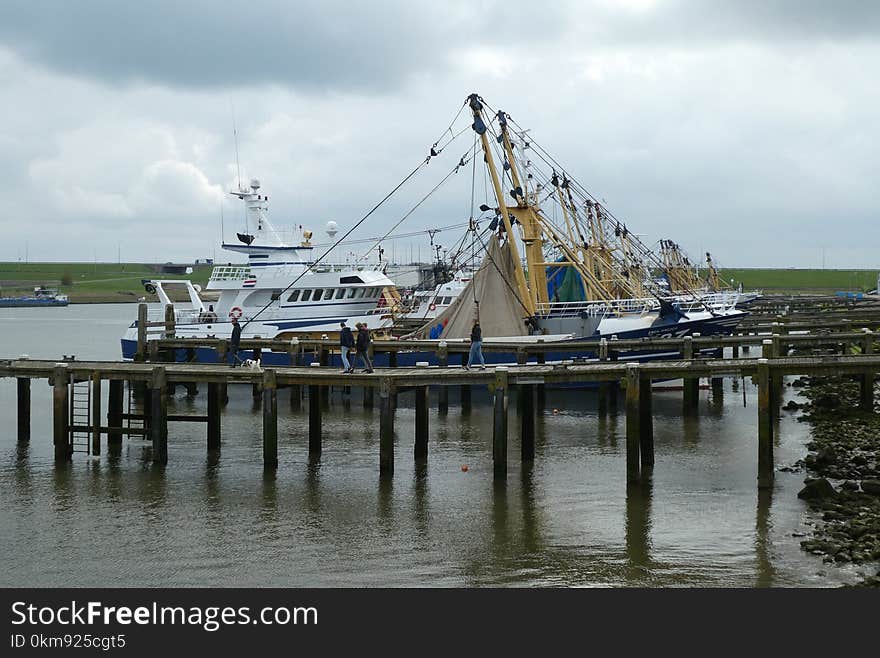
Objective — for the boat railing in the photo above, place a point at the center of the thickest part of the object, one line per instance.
(230, 273)
(597, 308)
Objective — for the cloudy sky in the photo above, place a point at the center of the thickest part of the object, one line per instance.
(747, 128)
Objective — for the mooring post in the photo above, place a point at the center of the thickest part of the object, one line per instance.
(443, 392)
(540, 391)
(114, 411)
(633, 421)
(691, 384)
(369, 395)
(24, 409)
(270, 420)
(421, 446)
(499, 425)
(386, 428)
(765, 425)
(323, 391)
(465, 399)
(61, 438)
(315, 404)
(526, 404)
(96, 413)
(213, 416)
(169, 320)
(295, 397)
(159, 415)
(603, 386)
(866, 399)
(141, 351)
(646, 422)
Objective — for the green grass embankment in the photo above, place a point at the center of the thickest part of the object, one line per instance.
(90, 282)
(798, 280)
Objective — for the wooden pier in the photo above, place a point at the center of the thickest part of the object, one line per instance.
(767, 371)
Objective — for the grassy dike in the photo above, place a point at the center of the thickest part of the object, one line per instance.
(802, 281)
(89, 283)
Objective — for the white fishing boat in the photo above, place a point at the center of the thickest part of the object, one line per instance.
(282, 290)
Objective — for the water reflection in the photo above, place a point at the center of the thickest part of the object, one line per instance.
(638, 526)
(766, 572)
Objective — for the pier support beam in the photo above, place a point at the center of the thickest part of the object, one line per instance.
(603, 400)
(633, 422)
(717, 390)
(140, 354)
(315, 404)
(114, 411)
(270, 421)
(443, 391)
(295, 397)
(866, 398)
(24, 409)
(96, 414)
(526, 404)
(369, 397)
(765, 425)
(213, 416)
(421, 446)
(499, 425)
(386, 428)
(159, 415)
(691, 385)
(646, 423)
(465, 399)
(60, 434)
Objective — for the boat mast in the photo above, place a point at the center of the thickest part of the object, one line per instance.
(479, 126)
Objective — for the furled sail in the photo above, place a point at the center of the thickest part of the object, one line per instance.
(489, 296)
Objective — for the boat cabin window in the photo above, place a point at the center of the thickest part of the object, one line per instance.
(447, 300)
(276, 295)
(307, 295)
(340, 293)
(294, 296)
(373, 292)
(317, 294)
(328, 294)
(352, 292)
(361, 292)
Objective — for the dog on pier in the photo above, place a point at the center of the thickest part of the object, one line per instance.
(253, 364)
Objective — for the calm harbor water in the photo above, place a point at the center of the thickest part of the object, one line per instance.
(117, 520)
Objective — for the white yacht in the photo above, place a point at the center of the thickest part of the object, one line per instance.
(284, 290)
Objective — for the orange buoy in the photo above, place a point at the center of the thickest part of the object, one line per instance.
(464, 468)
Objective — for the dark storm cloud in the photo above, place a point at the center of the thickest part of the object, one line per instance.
(338, 44)
(211, 44)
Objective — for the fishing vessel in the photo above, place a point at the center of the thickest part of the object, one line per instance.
(40, 297)
(282, 291)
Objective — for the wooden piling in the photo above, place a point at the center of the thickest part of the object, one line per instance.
(386, 428)
(691, 398)
(315, 404)
(646, 422)
(369, 396)
(443, 391)
(526, 404)
(159, 415)
(499, 425)
(465, 399)
(61, 435)
(96, 413)
(169, 320)
(213, 416)
(295, 397)
(765, 425)
(633, 422)
(270, 420)
(717, 389)
(421, 444)
(114, 411)
(24, 409)
(141, 351)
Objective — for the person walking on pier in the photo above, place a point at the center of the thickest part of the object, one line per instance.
(235, 341)
(346, 345)
(363, 345)
(476, 347)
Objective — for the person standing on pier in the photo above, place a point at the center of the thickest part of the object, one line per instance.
(363, 345)
(476, 347)
(235, 341)
(346, 345)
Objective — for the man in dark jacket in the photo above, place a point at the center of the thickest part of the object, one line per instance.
(346, 345)
(363, 345)
(235, 341)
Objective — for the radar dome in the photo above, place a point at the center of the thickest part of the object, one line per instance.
(332, 228)
(255, 184)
